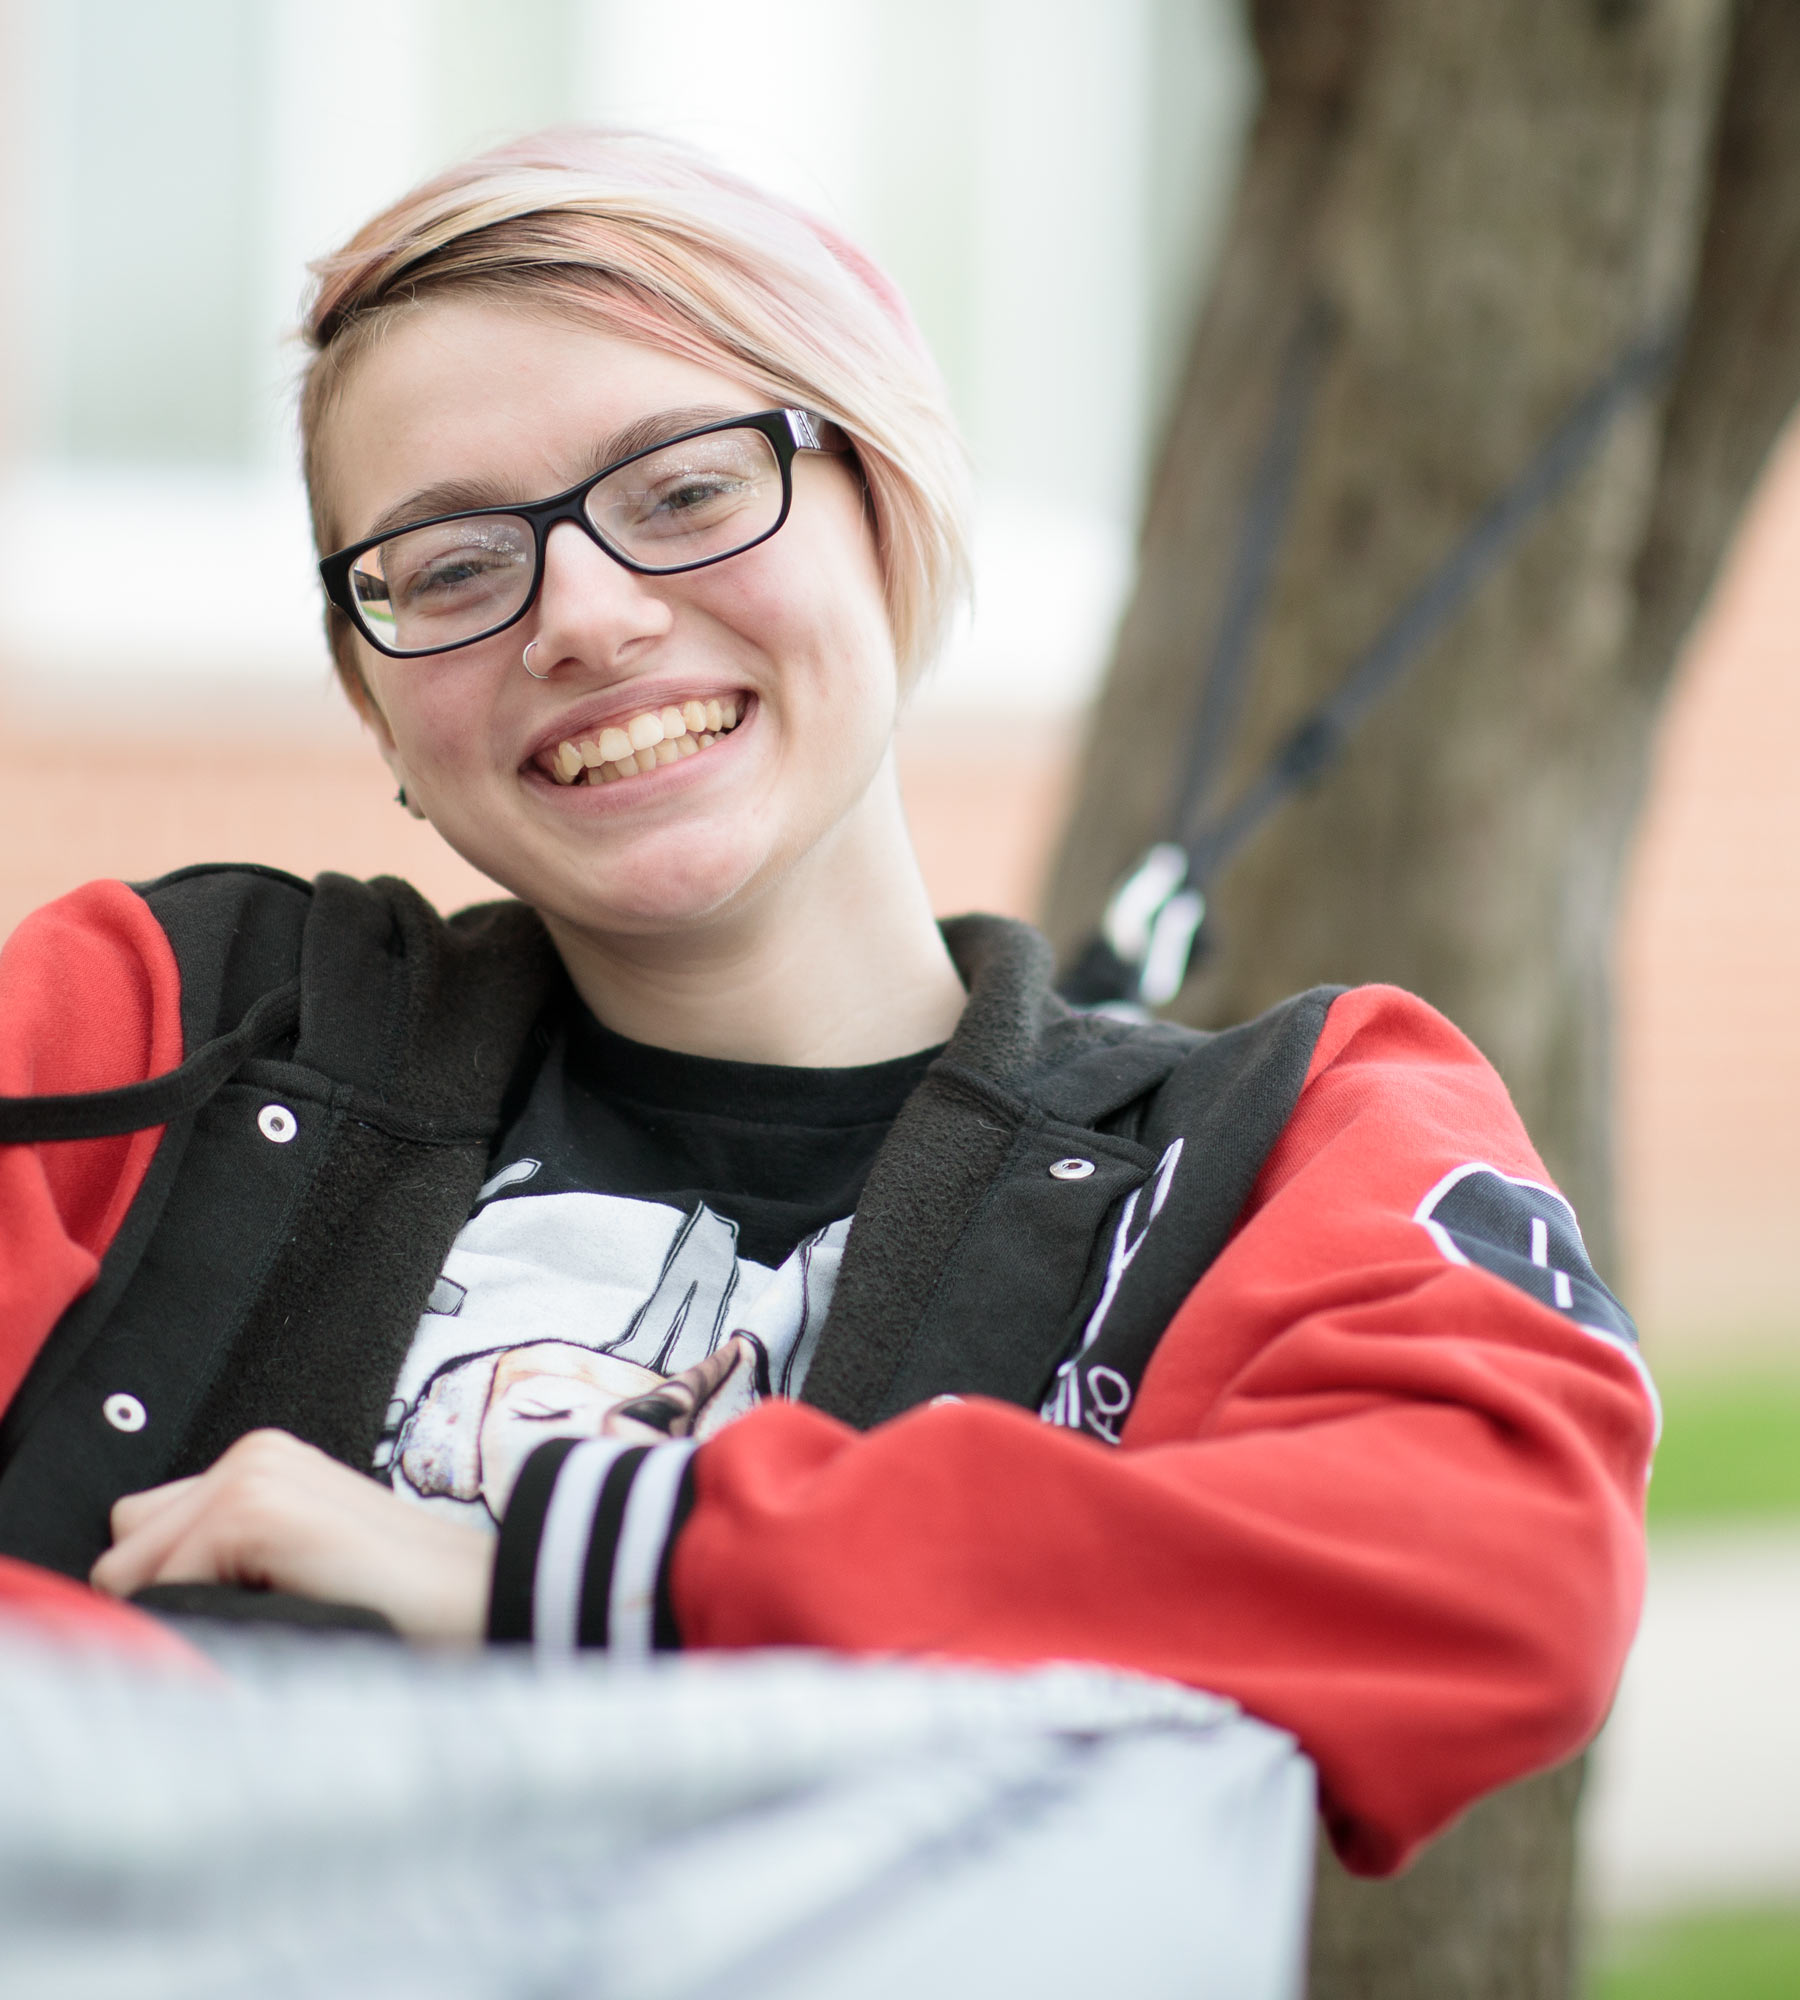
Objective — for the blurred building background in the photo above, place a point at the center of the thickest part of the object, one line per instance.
(1047, 182)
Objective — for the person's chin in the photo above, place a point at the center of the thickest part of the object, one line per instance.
(654, 894)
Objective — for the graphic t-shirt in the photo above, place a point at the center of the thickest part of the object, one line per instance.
(644, 1207)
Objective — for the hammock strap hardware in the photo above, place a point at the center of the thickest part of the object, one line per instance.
(1154, 923)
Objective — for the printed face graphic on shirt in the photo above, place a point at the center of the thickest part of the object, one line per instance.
(554, 1309)
(481, 1418)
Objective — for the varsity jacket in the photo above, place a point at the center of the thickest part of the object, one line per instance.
(1265, 1360)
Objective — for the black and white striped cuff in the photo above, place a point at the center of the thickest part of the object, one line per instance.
(586, 1546)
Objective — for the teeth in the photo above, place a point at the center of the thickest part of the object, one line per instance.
(657, 737)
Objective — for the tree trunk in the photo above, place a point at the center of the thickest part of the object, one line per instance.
(1491, 202)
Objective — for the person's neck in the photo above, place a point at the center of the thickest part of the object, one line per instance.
(839, 964)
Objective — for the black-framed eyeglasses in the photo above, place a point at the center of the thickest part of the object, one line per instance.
(699, 498)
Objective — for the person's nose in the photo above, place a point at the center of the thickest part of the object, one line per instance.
(592, 611)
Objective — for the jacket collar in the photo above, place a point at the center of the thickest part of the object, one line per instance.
(1020, 1058)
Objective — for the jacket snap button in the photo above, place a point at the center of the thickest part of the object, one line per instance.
(1071, 1170)
(277, 1123)
(124, 1413)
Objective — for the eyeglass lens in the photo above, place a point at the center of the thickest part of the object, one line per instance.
(695, 501)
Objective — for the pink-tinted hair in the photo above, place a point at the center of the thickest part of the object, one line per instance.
(651, 240)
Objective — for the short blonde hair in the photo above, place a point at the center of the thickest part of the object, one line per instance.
(651, 240)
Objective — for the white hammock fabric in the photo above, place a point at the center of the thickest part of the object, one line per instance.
(334, 1817)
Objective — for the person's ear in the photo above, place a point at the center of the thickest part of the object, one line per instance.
(392, 759)
(390, 752)
(362, 699)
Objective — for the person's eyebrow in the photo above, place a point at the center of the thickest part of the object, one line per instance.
(649, 431)
(449, 496)
(456, 496)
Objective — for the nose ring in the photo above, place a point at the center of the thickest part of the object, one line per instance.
(529, 668)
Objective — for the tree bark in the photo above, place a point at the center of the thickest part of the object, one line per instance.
(1491, 203)
(1485, 1913)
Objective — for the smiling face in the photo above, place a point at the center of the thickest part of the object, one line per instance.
(792, 637)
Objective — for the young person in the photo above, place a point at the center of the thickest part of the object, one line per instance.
(706, 1248)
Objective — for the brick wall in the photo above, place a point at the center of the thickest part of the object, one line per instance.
(1709, 968)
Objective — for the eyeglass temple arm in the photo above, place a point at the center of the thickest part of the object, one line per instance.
(809, 431)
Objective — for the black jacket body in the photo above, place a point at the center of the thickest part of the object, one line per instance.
(272, 1270)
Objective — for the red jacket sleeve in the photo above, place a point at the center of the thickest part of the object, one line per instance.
(39, 1605)
(90, 998)
(1388, 1501)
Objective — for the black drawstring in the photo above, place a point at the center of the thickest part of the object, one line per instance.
(105, 1114)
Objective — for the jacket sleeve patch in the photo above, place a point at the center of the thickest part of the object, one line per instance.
(1527, 1234)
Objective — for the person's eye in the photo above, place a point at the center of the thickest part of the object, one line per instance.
(694, 492)
(693, 501)
(451, 579)
(457, 569)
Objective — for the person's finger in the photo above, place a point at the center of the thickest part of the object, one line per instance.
(188, 1530)
(143, 1549)
(144, 1533)
(277, 1514)
(328, 1532)
(132, 1510)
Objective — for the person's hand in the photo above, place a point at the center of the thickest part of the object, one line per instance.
(672, 1409)
(280, 1515)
